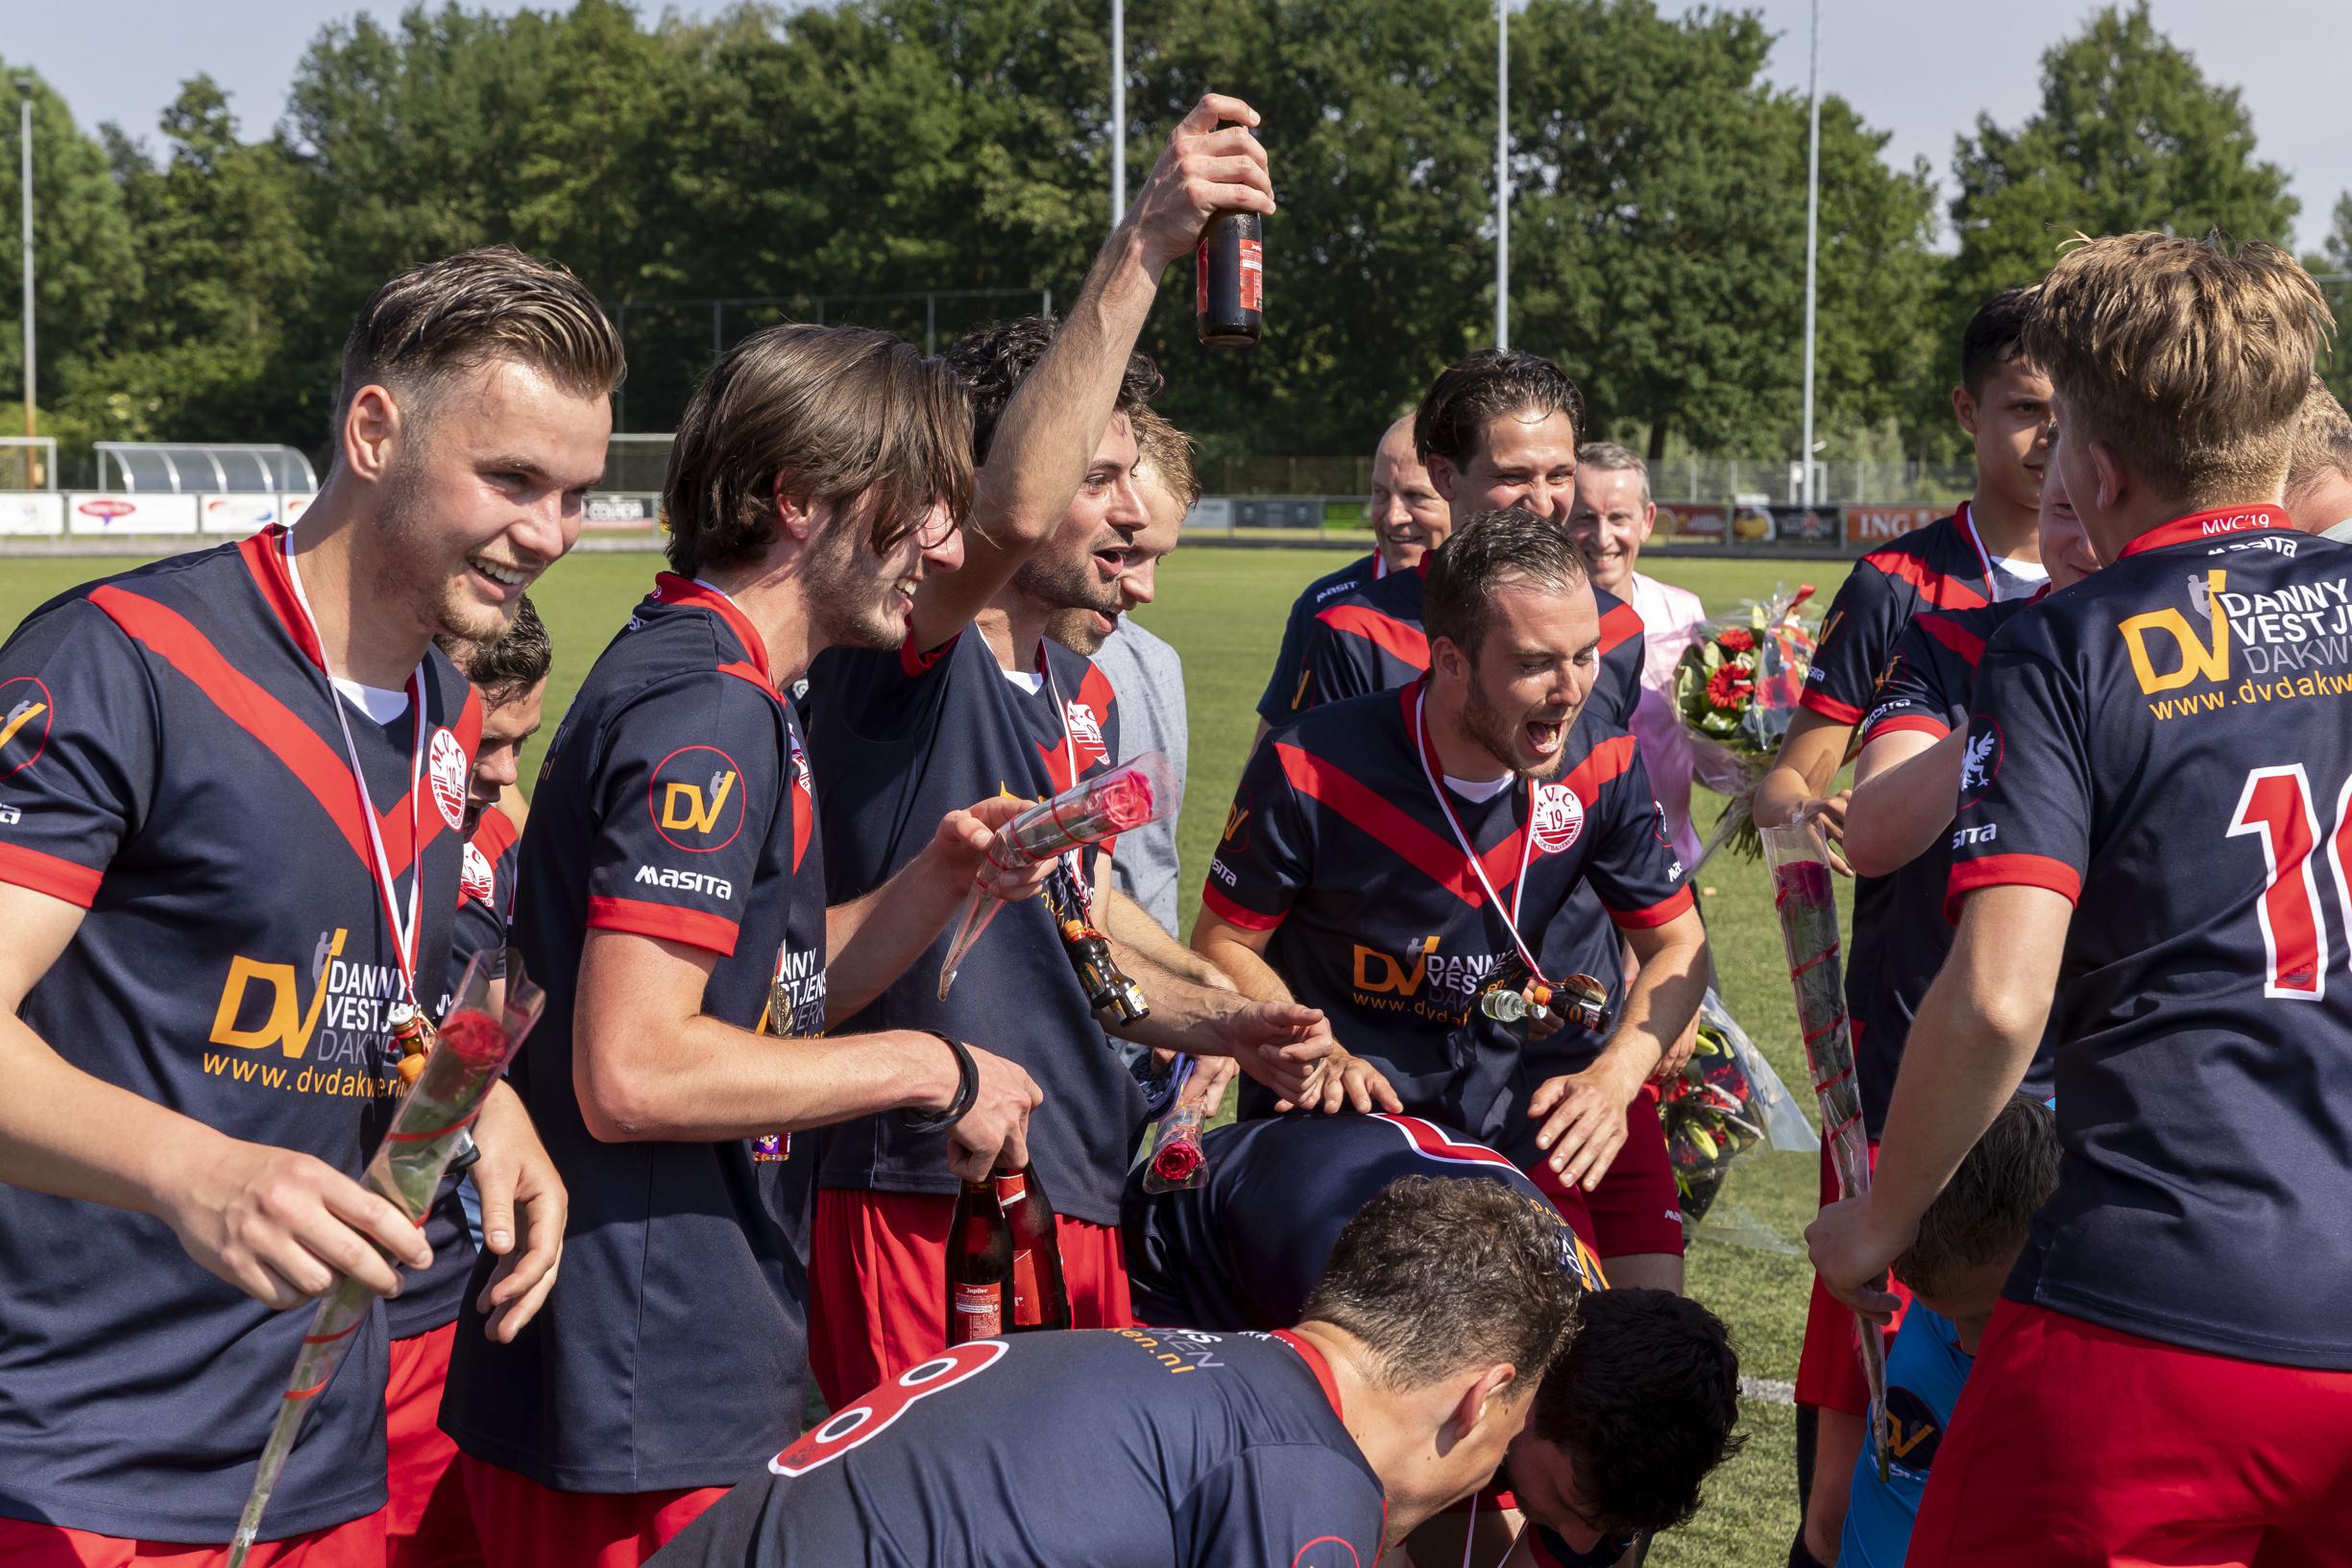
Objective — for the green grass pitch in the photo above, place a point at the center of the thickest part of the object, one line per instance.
(1222, 609)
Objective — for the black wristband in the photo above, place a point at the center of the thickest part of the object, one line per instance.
(967, 1090)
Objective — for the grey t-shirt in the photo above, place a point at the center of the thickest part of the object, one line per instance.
(1147, 680)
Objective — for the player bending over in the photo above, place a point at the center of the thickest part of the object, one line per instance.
(1413, 1366)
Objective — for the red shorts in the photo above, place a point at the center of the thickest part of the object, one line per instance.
(1829, 1373)
(1636, 1208)
(24, 1544)
(429, 1522)
(878, 1283)
(2077, 1445)
(522, 1524)
(1573, 1206)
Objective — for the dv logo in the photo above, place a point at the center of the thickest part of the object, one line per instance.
(287, 1025)
(1378, 971)
(694, 799)
(2198, 658)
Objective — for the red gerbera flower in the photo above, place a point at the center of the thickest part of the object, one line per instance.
(1729, 686)
(1736, 639)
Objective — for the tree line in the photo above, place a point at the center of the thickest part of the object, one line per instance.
(195, 284)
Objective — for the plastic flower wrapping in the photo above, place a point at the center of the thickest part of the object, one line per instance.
(1804, 897)
(1737, 688)
(1104, 806)
(1726, 1103)
(468, 1057)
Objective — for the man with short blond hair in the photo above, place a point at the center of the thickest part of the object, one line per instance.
(2168, 1375)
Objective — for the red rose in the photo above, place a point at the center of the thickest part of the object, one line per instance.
(1739, 639)
(1175, 1161)
(477, 1039)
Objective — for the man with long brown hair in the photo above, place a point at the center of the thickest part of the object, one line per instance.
(978, 700)
(673, 904)
(211, 920)
(2154, 772)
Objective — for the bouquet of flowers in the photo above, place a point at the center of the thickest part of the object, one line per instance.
(1726, 1102)
(1737, 688)
(430, 1130)
(1805, 899)
(1104, 806)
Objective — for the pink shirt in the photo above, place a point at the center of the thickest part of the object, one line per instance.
(1671, 620)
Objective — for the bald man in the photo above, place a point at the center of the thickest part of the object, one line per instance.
(1409, 519)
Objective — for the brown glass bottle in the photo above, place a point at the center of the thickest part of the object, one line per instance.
(1039, 1299)
(979, 1267)
(1230, 262)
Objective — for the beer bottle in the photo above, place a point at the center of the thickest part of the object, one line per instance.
(1231, 263)
(1039, 1299)
(979, 1267)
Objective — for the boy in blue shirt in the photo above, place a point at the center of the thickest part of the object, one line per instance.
(1969, 1240)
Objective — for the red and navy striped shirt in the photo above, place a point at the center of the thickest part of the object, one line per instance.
(1336, 845)
(1286, 689)
(1246, 1248)
(2163, 745)
(1926, 690)
(171, 763)
(1371, 640)
(671, 805)
(1100, 1449)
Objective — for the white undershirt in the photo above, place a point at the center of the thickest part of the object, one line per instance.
(1480, 792)
(1028, 681)
(374, 701)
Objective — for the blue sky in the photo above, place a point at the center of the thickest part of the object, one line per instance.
(1919, 68)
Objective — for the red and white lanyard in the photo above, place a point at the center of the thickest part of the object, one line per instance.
(1527, 850)
(1061, 712)
(405, 934)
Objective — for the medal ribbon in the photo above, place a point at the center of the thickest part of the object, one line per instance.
(404, 936)
(1518, 890)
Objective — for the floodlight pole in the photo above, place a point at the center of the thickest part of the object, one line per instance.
(24, 138)
(1117, 113)
(1812, 247)
(1502, 174)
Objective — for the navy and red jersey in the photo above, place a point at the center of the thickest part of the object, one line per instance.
(902, 738)
(1117, 1448)
(1246, 1248)
(1929, 679)
(486, 892)
(485, 900)
(1371, 640)
(1942, 566)
(1286, 689)
(171, 762)
(2163, 745)
(673, 803)
(1338, 847)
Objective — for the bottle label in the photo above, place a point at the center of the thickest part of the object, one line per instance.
(980, 1313)
(1028, 1301)
(1254, 274)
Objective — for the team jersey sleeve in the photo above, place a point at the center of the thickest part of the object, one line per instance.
(1265, 857)
(1283, 695)
(1856, 638)
(1913, 698)
(688, 782)
(2025, 778)
(1337, 664)
(1633, 867)
(1616, 689)
(1295, 1503)
(79, 730)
